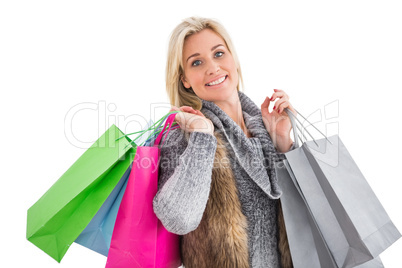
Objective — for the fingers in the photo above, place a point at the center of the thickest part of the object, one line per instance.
(278, 105)
(282, 104)
(192, 120)
(187, 109)
(174, 108)
(279, 94)
(182, 119)
(197, 112)
(265, 106)
(283, 101)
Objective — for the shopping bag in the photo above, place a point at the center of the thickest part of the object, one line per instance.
(139, 238)
(351, 219)
(98, 233)
(345, 213)
(63, 212)
(307, 246)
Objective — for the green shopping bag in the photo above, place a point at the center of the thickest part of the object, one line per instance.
(63, 212)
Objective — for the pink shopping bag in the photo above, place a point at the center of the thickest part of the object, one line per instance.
(139, 239)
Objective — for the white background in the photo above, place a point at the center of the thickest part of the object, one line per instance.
(109, 56)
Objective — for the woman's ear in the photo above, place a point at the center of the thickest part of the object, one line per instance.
(185, 83)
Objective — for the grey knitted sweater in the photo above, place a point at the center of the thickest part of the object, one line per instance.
(185, 178)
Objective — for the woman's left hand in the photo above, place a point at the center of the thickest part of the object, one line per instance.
(277, 122)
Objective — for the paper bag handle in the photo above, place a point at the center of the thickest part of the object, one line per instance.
(169, 122)
(296, 127)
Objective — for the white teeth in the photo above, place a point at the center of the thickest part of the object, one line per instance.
(216, 82)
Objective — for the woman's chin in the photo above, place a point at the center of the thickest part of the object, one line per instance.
(222, 96)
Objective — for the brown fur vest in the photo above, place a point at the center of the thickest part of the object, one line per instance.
(221, 238)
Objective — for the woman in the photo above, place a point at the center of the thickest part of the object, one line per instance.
(217, 185)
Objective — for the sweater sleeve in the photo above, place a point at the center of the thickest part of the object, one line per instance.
(185, 170)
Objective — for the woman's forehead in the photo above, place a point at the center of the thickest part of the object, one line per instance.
(202, 41)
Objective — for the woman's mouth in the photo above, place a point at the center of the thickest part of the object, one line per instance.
(217, 81)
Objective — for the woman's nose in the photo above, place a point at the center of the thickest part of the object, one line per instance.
(213, 67)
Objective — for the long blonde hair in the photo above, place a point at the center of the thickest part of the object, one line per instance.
(178, 94)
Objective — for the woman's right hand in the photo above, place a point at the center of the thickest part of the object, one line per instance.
(191, 120)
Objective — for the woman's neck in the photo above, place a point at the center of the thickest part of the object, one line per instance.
(232, 107)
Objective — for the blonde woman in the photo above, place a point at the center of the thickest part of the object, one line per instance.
(217, 184)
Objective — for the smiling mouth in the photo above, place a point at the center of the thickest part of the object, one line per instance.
(217, 81)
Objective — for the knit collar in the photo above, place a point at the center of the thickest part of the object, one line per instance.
(244, 148)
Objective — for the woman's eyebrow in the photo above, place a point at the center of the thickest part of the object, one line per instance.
(194, 55)
(197, 54)
(214, 47)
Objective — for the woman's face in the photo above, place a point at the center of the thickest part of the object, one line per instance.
(209, 68)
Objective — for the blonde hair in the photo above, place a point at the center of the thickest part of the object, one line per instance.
(178, 94)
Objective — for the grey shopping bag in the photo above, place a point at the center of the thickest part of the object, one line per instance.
(332, 216)
(307, 245)
(300, 226)
(350, 217)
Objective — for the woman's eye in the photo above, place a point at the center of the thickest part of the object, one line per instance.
(219, 54)
(196, 63)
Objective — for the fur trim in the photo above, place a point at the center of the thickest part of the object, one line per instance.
(221, 238)
(283, 243)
